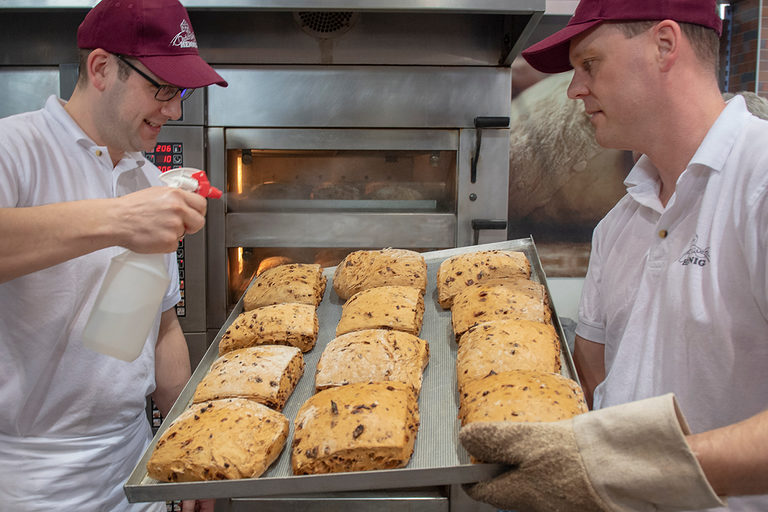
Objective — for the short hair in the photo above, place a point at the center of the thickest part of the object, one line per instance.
(82, 76)
(704, 40)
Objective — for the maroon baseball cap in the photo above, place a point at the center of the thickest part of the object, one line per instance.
(155, 32)
(551, 54)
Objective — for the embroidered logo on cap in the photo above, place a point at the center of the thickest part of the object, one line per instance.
(185, 38)
(695, 255)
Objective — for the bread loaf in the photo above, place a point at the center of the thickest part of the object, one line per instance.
(272, 262)
(267, 374)
(372, 355)
(521, 395)
(505, 345)
(499, 299)
(387, 307)
(357, 427)
(361, 270)
(279, 324)
(219, 440)
(462, 270)
(300, 283)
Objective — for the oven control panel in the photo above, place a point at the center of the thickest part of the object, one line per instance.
(167, 156)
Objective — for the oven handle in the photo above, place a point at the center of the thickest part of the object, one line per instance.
(479, 224)
(480, 123)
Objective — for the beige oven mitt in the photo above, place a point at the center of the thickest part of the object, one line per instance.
(631, 457)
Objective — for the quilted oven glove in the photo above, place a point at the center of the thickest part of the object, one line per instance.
(631, 457)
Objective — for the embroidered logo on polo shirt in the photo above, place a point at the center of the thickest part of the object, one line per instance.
(695, 255)
(185, 38)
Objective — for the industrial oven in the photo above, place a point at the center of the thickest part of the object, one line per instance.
(368, 125)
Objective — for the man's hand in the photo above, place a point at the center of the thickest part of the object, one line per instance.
(628, 457)
(154, 219)
(197, 505)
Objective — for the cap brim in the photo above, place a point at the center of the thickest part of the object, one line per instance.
(188, 71)
(550, 55)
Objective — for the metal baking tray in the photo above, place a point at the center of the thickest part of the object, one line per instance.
(438, 457)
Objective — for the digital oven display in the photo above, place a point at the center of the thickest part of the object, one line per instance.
(167, 155)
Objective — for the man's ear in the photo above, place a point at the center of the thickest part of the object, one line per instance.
(667, 36)
(101, 68)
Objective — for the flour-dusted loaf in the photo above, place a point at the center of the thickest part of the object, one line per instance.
(372, 355)
(400, 308)
(267, 374)
(521, 395)
(504, 345)
(301, 283)
(279, 324)
(219, 440)
(499, 299)
(356, 427)
(462, 270)
(361, 270)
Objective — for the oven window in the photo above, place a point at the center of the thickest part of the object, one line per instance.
(376, 180)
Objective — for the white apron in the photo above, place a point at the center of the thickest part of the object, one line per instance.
(44, 474)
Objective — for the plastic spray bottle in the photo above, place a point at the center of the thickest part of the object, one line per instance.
(134, 285)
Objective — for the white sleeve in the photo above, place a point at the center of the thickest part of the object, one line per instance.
(756, 245)
(591, 323)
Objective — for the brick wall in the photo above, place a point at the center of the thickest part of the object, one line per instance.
(747, 36)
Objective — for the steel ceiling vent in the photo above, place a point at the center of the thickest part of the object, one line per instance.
(326, 24)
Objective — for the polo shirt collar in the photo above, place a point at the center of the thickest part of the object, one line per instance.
(718, 143)
(55, 108)
(642, 182)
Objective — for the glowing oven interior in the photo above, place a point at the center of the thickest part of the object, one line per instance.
(311, 181)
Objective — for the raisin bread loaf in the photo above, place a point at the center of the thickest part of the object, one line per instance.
(400, 308)
(462, 270)
(279, 324)
(521, 395)
(504, 345)
(372, 355)
(499, 299)
(267, 374)
(357, 427)
(300, 283)
(361, 270)
(219, 440)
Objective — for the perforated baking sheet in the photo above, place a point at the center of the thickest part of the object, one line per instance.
(438, 457)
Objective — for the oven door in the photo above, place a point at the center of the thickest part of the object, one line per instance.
(313, 195)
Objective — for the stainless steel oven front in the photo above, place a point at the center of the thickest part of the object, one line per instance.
(317, 162)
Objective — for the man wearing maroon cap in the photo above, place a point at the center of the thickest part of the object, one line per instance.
(75, 190)
(674, 309)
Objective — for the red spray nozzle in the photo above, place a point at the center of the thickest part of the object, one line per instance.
(191, 180)
(204, 187)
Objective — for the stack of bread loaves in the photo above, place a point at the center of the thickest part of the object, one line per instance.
(279, 308)
(234, 429)
(365, 414)
(508, 360)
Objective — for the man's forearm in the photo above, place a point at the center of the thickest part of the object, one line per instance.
(39, 237)
(589, 359)
(735, 458)
(172, 367)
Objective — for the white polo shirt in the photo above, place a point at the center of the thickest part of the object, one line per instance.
(679, 295)
(73, 422)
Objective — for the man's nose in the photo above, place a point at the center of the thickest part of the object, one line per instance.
(576, 89)
(172, 108)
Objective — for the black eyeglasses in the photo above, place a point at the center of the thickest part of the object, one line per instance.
(164, 92)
